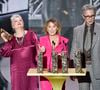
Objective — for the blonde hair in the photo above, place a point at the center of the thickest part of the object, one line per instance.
(15, 16)
(54, 21)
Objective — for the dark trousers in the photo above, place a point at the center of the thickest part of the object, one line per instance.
(89, 80)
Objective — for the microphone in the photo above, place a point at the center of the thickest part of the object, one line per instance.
(53, 43)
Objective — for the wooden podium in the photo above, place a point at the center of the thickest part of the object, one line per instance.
(56, 79)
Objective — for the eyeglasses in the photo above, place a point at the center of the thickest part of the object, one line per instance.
(89, 16)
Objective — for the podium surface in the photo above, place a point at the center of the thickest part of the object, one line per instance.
(56, 79)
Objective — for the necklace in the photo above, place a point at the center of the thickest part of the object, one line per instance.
(21, 39)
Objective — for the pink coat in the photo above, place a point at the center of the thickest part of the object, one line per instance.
(62, 46)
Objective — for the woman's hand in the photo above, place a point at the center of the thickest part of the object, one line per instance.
(3, 36)
(42, 49)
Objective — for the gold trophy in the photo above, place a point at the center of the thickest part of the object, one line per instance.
(40, 63)
(54, 60)
(6, 34)
(78, 66)
(64, 62)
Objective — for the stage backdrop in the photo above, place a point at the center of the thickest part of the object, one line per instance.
(36, 12)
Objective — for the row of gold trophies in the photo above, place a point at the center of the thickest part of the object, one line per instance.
(64, 62)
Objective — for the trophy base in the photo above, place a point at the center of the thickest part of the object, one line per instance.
(79, 70)
(40, 70)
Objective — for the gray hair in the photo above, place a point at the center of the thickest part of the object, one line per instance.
(15, 16)
(88, 7)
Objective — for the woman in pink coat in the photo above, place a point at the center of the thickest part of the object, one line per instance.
(52, 29)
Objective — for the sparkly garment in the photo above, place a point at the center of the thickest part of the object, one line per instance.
(22, 58)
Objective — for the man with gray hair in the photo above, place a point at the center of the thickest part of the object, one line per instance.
(86, 38)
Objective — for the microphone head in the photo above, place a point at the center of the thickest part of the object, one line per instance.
(53, 43)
